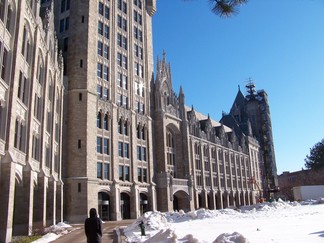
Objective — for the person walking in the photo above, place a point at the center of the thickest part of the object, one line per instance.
(93, 227)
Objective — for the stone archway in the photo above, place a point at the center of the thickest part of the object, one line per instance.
(104, 206)
(181, 201)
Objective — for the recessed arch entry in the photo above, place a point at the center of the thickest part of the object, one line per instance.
(104, 206)
(144, 203)
(125, 205)
(181, 201)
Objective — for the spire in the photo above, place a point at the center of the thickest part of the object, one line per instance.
(181, 91)
(164, 56)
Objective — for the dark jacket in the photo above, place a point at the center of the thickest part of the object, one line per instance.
(93, 228)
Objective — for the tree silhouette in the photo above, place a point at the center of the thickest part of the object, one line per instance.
(226, 8)
(315, 160)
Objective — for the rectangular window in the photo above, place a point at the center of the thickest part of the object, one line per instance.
(124, 24)
(106, 31)
(124, 42)
(124, 62)
(125, 7)
(125, 101)
(125, 128)
(106, 171)
(144, 175)
(100, 48)
(120, 149)
(67, 23)
(124, 79)
(119, 79)
(62, 6)
(139, 151)
(119, 39)
(99, 70)
(106, 51)
(106, 123)
(100, 28)
(105, 93)
(121, 173)
(106, 12)
(4, 64)
(119, 100)
(119, 21)
(136, 50)
(143, 153)
(119, 4)
(119, 59)
(61, 25)
(120, 131)
(101, 8)
(99, 170)
(126, 168)
(106, 73)
(106, 146)
(99, 145)
(135, 33)
(139, 174)
(126, 150)
(99, 91)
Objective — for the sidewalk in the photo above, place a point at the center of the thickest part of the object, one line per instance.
(109, 236)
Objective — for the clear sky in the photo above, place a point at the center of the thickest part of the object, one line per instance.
(278, 43)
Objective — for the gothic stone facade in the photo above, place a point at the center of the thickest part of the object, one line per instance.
(198, 161)
(31, 95)
(108, 149)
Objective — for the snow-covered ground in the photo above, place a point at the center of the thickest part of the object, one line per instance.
(267, 222)
(54, 232)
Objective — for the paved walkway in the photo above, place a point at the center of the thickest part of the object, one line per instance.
(78, 236)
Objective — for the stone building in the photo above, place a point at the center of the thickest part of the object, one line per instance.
(31, 95)
(198, 162)
(108, 150)
(252, 114)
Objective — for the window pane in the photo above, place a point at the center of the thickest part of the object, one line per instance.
(99, 170)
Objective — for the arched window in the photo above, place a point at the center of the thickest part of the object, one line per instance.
(106, 122)
(170, 148)
(99, 120)
(26, 48)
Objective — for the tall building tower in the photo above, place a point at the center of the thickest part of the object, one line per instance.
(31, 95)
(252, 112)
(108, 161)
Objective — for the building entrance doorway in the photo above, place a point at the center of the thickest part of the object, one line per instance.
(125, 206)
(103, 206)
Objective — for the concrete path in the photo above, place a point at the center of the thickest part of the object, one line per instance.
(77, 235)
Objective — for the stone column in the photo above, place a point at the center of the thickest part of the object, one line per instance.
(40, 203)
(59, 202)
(7, 192)
(134, 200)
(51, 202)
(24, 197)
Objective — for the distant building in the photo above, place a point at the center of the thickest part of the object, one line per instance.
(252, 114)
(199, 163)
(287, 180)
(31, 95)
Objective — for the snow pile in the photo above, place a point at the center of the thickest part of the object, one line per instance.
(53, 232)
(263, 222)
(231, 238)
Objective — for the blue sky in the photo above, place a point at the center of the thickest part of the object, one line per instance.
(278, 43)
